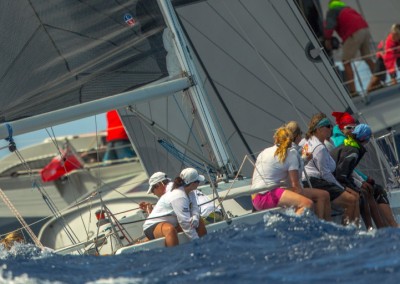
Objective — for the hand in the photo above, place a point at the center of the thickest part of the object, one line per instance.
(194, 221)
(368, 187)
(308, 156)
(146, 206)
(328, 44)
(371, 181)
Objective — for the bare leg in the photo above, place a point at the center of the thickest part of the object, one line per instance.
(374, 84)
(201, 229)
(348, 71)
(370, 64)
(387, 215)
(374, 209)
(365, 211)
(168, 231)
(290, 198)
(321, 200)
(348, 202)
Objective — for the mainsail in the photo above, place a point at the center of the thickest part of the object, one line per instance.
(260, 65)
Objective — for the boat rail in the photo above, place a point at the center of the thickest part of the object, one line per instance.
(362, 73)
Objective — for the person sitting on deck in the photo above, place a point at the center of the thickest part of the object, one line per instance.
(345, 124)
(159, 184)
(174, 212)
(387, 57)
(321, 167)
(321, 198)
(276, 174)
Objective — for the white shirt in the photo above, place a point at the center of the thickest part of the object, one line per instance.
(205, 204)
(322, 165)
(270, 173)
(174, 207)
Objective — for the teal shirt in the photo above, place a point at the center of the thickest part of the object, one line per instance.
(338, 139)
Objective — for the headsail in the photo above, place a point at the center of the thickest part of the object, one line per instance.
(65, 52)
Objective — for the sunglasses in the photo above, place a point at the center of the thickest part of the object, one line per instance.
(349, 127)
(327, 126)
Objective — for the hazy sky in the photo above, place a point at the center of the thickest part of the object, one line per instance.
(86, 125)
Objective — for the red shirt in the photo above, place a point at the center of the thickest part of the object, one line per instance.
(115, 129)
(389, 50)
(346, 21)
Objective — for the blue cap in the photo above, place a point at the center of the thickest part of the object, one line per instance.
(362, 132)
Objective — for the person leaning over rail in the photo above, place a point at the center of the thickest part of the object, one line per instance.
(173, 212)
(345, 124)
(321, 167)
(387, 57)
(321, 199)
(278, 165)
(354, 32)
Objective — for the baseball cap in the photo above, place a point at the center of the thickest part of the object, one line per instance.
(362, 132)
(343, 119)
(190, 175)
(156, 178)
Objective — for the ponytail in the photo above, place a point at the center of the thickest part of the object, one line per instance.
(283, 140)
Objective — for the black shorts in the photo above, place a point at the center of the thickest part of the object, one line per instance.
(149, 232)
(334, 190)
(380, 195)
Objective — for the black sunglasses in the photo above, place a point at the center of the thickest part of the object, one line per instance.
(327, 126)
(348, 127)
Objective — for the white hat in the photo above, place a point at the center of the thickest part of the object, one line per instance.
(190, 175)
(156, 178)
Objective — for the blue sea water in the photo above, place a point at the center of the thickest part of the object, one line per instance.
(283, 249)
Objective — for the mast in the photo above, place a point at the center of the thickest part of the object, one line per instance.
(198, 93)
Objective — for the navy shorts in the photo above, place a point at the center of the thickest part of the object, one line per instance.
(149, 232)
(334, 190)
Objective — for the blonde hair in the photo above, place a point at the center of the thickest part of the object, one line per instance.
(315, 119)
(283, 140)
(395, 29)
(11, 238)
(294, 129)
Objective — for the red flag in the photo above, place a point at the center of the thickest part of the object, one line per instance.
(60, 165)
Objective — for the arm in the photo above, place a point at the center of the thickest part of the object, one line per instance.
(345, 166)
(390, 56)
(324, 164)
(181, 206)
(294, 180)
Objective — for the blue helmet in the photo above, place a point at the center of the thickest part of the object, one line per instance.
(362, 132)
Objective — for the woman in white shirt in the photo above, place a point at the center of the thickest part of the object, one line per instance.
(320, 197)
(174, 212)
(276, 171)
(321, 167)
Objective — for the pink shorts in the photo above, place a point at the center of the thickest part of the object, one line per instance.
(268, 200)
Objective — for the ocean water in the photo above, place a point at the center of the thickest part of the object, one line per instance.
(283, 249)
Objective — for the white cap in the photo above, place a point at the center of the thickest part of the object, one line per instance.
(190, 175)
(156, 178)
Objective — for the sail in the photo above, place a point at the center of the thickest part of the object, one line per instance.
(257, 67)
(62, 53)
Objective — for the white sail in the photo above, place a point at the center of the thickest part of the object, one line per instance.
(256, 65)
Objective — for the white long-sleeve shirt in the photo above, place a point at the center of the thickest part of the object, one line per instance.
(322, 164)
(175, 207)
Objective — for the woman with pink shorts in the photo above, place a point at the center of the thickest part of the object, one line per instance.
(276, 172)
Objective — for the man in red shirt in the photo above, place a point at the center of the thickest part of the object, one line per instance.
(387, 57)
(118, 144)
(354, 32)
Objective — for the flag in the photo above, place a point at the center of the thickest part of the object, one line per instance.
(61, 164)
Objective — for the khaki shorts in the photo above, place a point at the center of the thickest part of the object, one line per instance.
(359, 41)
